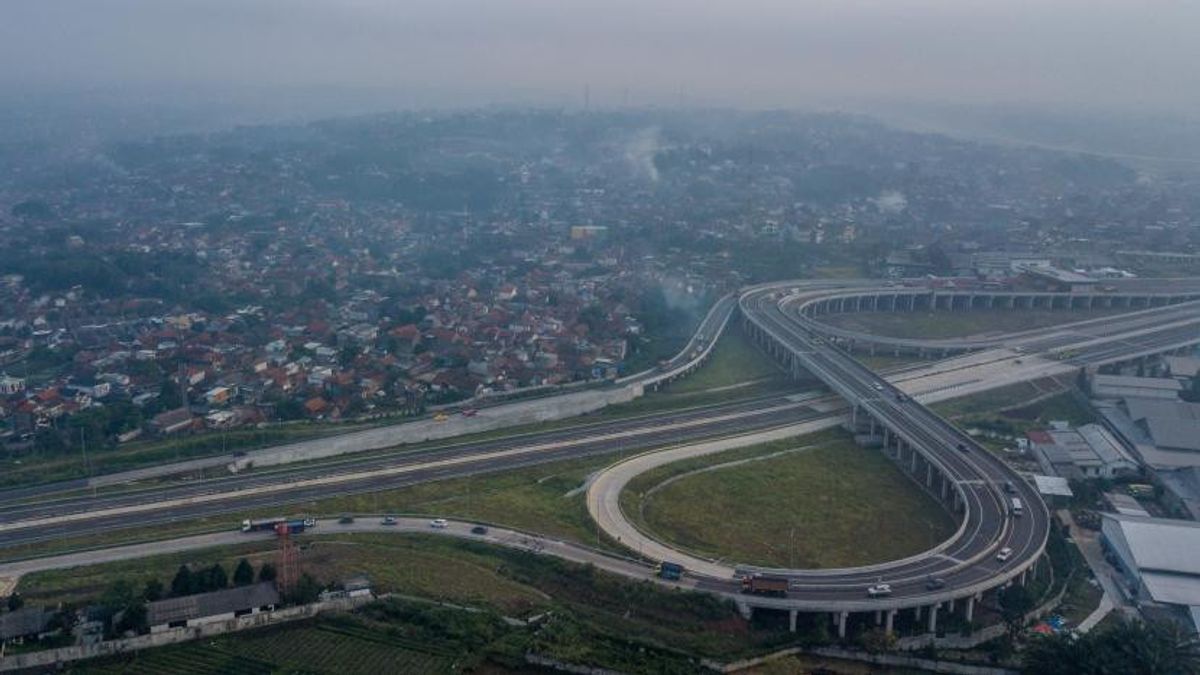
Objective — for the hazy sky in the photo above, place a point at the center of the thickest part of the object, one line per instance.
(1140, 54)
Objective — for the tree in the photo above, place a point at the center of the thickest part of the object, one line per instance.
(15, 602)
(153, 591)
(215, 578)
(243, 574)
(1133, 647)
(266, 572)
(1015, 603)
(133, 618)
(307, 590)
(183, 583)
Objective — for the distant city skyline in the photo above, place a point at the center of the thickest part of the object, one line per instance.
(756, 53)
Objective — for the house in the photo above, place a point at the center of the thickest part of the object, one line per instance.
(28, 623)
(214, 607)
(11, 385)
(1183, 367)
(172, 421)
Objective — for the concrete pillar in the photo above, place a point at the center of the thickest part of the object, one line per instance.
(842, 624)
(891, 616)
(970, 607)
(928, 474)
(878, 617)
(945, 485)
(917, 613)
(1022, 582)
(933, 609)
(950, 606)
(792, 620)
(914, 459)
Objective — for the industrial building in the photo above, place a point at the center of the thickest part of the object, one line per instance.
(1159, 562)
(205, 608)
(1090, 451)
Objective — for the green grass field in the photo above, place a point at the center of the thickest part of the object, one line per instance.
(418, 565)
(734, 361)
(593, 618)
(939, 325)
(832, 504)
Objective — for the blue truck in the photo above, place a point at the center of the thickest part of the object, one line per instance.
(294, 526)
(670, 571)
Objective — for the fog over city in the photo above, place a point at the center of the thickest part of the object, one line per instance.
(1107, 53)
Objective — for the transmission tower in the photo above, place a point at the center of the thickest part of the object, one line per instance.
(288, 574)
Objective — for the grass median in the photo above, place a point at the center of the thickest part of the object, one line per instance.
(818, 501)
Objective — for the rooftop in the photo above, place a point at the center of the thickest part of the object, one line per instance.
(212, 604)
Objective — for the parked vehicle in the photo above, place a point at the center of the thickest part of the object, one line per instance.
(762, 584)
(670, 571)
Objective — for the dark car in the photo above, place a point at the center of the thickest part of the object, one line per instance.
(345, 520)
(479, 529)
(962, 447)
(935, 583)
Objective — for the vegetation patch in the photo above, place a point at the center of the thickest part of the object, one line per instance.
(833, 505)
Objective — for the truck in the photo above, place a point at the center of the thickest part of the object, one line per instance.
(762, 584)
(670, 571)
(294, 526)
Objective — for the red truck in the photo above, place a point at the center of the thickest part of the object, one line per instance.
(762, 584)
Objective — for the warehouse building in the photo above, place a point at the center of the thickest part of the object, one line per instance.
(1159, 562)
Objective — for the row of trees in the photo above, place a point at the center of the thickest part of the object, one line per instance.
(1127, 648)
(190, 582)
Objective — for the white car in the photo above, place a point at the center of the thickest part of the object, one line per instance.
(878, 386)
(879, 590)
(439, 523)
(1004, 554)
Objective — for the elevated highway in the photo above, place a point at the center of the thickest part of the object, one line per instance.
(972, 483)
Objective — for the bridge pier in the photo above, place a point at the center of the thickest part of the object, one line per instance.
(879, 617)
(792, 620)
(891, 616)
(933, 611)
(842, 616)
(970, 608)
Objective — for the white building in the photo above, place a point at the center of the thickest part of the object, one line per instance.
(1121, 386)
(1159, 561)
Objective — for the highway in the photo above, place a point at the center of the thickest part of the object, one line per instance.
(966, 562)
